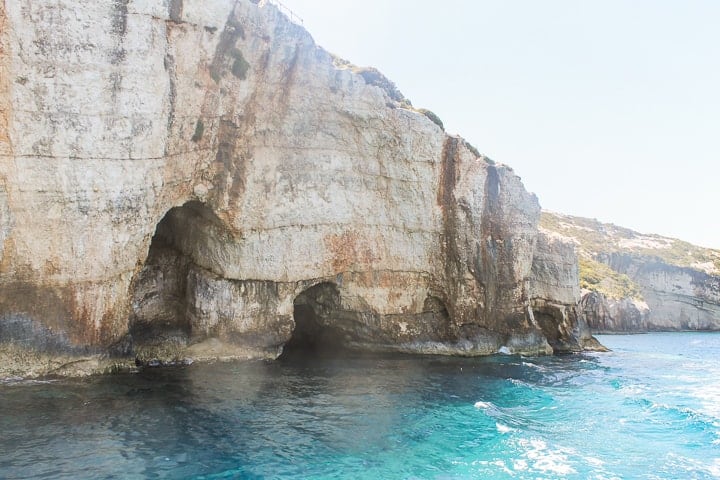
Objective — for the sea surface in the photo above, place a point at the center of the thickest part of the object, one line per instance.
(649, 409)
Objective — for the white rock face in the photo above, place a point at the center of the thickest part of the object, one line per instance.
(612, 315)
(177, 172)
(678, 298)
(642, 282)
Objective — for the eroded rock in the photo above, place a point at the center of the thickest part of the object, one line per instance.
(194, 180)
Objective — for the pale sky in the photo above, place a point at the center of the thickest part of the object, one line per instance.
(608, 109)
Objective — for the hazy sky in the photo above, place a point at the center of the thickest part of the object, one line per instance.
(607, 109)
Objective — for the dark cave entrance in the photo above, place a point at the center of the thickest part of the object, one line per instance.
(436, 319)
(554, 326)
(159, 320)
(549, 327)
(316, 312)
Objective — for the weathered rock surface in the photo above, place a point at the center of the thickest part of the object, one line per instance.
(555, 296)
(606, 314)
(640, 283)
(192, 179)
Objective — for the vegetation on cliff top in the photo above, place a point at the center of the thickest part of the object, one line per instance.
(372, 76)
(601, 278)
(375, 77)
(594, 237)
(433, 118)
(596, 240)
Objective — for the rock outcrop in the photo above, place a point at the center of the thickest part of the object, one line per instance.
(555, 295)
(190, 179)
(639, 283)
(606, 314)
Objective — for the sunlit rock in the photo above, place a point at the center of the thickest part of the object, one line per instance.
(193, 179)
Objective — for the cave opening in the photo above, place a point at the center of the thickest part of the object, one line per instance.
(316, 312)
(549, 327)
(436, 319)
(552, 323)
(159, 325)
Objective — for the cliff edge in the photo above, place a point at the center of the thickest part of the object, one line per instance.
(195, 180)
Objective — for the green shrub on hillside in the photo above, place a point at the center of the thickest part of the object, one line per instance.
(600, 278)
(596, 238)
(683, 254)
(434, 118)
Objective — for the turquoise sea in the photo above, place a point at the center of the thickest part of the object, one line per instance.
(649, 409)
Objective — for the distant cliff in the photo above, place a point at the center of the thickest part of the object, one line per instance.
(636, 283)
(186, 179)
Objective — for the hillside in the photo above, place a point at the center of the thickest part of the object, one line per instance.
(640, 282)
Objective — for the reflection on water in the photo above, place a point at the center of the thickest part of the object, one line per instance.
(648, 408)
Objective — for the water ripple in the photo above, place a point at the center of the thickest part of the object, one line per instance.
(649, 409)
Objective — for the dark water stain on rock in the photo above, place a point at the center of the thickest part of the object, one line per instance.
(175, 10)
(44, 319)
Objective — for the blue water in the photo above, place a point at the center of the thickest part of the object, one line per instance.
(649, 409)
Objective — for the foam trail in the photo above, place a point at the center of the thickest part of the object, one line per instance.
(502, 428)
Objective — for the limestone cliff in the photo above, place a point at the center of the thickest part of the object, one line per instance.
(554, 292)
(637, 283)
(193, 179)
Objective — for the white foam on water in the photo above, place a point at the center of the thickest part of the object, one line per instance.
(632, 390)
(533, 365)
(483, 405)
(694, 466)
(502, 428)
(521, 383)
(504, 350)
(501, 464)
(545, 459)
(714, 468)
(709, 395)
